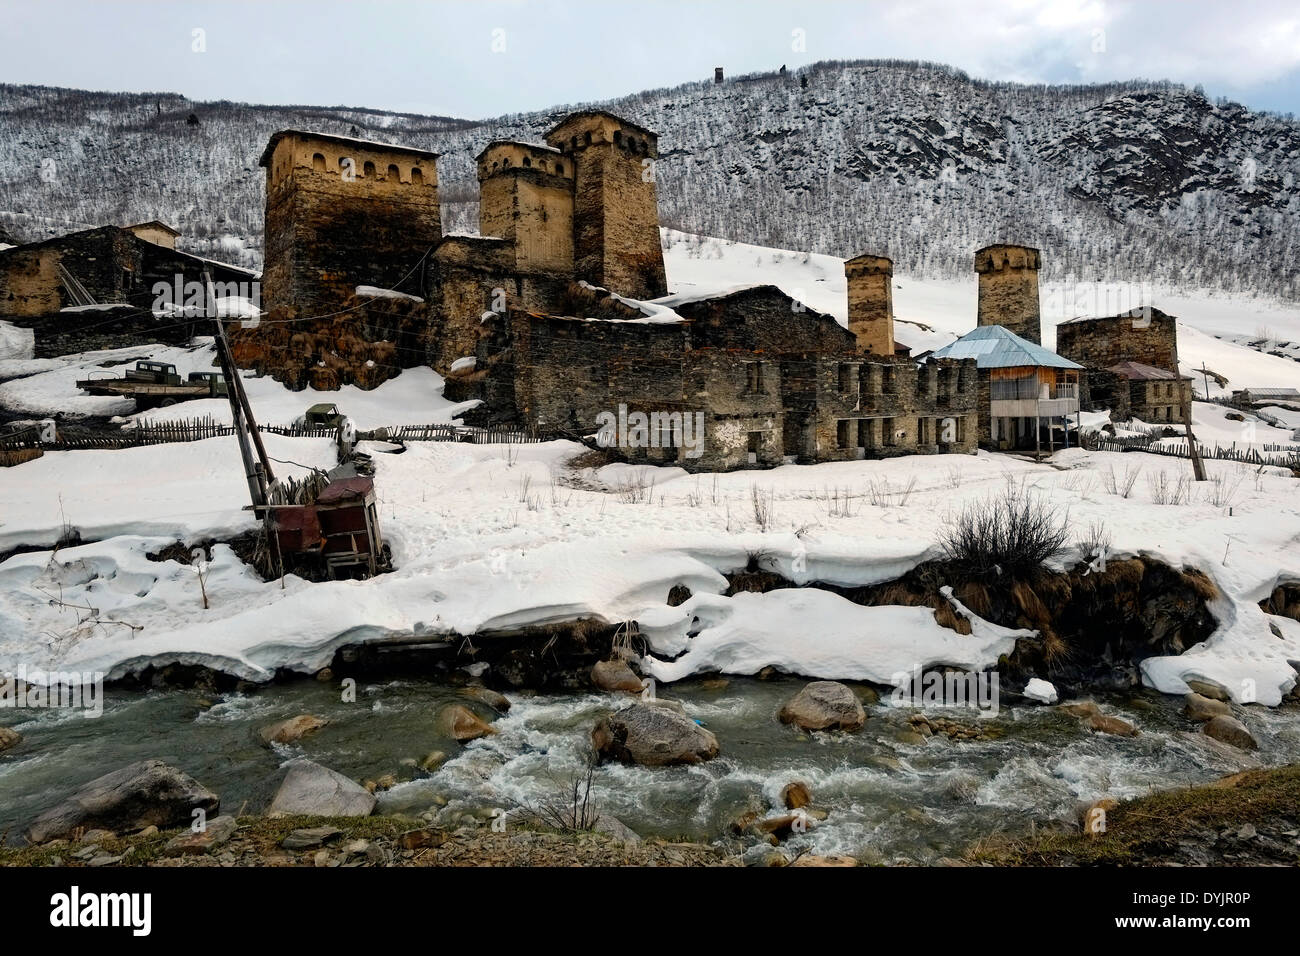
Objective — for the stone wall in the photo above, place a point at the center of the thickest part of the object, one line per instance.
(871, 303)
(616, 216)
(1149, 337)
(526, 197)
(1158, 401)
(1008, 289)
(115, 267)
(343, 213)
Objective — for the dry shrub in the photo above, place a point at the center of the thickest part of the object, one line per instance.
(946, 616)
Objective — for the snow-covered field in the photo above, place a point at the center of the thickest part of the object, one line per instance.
(492, 537)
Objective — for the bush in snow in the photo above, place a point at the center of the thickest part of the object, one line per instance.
(1010, 533)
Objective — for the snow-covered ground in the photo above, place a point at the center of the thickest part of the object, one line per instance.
(48, 387)
(492, 537)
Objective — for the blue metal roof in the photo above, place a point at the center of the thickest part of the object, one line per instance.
(992, 346)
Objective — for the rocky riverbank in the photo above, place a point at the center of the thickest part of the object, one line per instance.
(1245, 819)
(357, 841)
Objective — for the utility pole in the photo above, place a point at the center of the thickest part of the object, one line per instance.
(1198, 466)
(257, 472)
(1206, 373)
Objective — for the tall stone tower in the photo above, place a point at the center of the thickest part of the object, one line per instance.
(871, 303)
(615, 208)
(1008, 293)
(526, 198)
(342, 212)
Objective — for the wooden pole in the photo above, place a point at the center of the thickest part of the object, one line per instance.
(1198, 466)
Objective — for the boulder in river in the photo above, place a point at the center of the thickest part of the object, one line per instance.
(1197, 707)
(615, 675)
(146, 793)
(795, 795)
(1208, 689)
(1104, 724)
(287, 731)
(653, 735)
(9, 738)
(311, 789)
(1232, 731)
(485, 695)
(1080, 708)
(460, 723)
(824, 705)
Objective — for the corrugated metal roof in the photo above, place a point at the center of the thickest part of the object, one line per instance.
(992, 346)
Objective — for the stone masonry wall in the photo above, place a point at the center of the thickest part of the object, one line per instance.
(1148, 337)
(616, 216)
(1008, 289)
(342, 215)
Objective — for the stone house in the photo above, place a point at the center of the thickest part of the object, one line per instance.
(1023, 387)
(767, 379)
(1155, 395)
(52, 285)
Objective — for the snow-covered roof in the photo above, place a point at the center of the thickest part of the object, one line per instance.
(993, 346)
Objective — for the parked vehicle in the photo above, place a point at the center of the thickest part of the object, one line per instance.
(156, 384)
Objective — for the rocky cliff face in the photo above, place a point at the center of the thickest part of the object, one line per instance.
(916, 162)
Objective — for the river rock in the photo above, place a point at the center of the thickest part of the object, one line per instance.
(616, 828)
(1232, 731)
(795, 795)
(485, 695)
(189, 843)
(652, 735)
(287, 731)
(1104, 724)
(313, 790)
(9, 738)
(460, 723)
(1198, 707)
(433, 761)
(809, 859)
(824, 705)
(615, 675)
(308, 838)
(1207, 689)
(1044, 692)
(1080, 708)
(147, 793)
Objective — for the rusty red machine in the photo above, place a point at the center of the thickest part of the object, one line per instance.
(336, 529)
(340, 528)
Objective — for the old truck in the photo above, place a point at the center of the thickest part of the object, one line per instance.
(153, 384)
(321, 415)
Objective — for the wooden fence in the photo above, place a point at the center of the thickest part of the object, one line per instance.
(73, 437)
(1286, 456)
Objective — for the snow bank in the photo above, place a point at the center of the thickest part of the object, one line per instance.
(814, 633)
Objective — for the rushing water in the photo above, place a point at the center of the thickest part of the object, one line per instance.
(887, 799)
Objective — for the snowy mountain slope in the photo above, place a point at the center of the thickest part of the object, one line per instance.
(1136, 180)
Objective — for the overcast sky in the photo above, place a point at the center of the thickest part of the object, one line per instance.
(481, 58)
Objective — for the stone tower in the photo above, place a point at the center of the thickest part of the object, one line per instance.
(871, 303)
(526, 198)
(342, 212)
(615, 208)
(1008, 293)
